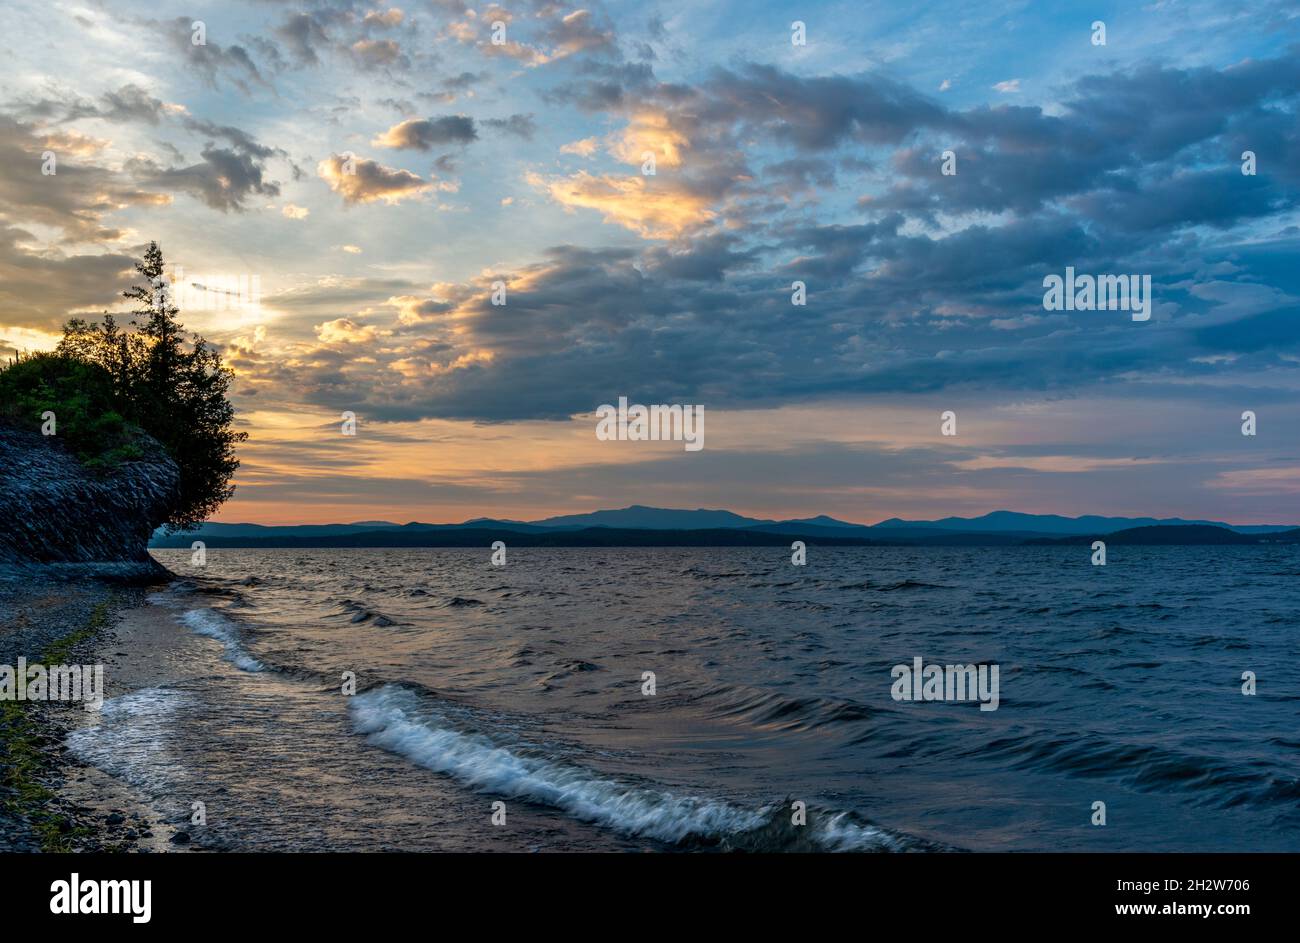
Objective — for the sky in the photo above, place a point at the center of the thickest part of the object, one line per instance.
(339, 187)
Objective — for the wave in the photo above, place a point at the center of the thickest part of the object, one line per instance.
(701, 574)
(457, 602)
(398, 720)
(214, 625)
(129, 740)
(357, 613)
(769, 710)
(1204, 779)
(909, 584)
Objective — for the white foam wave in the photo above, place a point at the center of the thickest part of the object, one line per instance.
(840, 833)
(394, 718)
(214, 625)
(389, 716)
(131, 737)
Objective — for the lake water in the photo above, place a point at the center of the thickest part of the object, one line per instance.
(525, 684)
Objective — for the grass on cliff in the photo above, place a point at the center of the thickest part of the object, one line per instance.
(25, 763)
(79, 395)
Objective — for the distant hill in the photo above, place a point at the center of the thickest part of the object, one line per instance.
(1014, 521)
(1167, 535)
(641, 517)
(994, 529)
(995, 522)
(259, 531)
(553, 537)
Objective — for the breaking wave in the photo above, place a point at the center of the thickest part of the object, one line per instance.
(397, 720)
(214, 625)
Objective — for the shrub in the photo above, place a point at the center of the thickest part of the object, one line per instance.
(103, 383)
(80, 395)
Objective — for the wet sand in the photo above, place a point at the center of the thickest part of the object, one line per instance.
(81, 808)
(274, 756)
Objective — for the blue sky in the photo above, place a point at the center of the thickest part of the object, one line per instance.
(522, 163)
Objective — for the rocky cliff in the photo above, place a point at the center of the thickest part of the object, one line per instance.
(54, 511)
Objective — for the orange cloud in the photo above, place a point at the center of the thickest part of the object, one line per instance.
(413, 368)
(413, 309)
(662, 210)
(388, 18)
(584, 148)
(359, 180)
(649, 131)
(75, 143)
(345, 331)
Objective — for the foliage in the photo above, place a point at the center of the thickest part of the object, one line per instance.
(81, 397)
(102, 382)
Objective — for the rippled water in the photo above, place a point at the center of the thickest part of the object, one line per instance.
(524, 684)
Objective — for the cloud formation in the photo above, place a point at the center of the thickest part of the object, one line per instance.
(423, 134)
(361, 180)
(649, 197)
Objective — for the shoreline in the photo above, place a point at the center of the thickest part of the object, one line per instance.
(50, 801)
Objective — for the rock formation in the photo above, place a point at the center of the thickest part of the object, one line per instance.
(55, 511)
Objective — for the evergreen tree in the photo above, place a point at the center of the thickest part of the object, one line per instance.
(172, 385)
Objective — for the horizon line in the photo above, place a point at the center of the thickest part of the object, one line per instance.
(780, 520)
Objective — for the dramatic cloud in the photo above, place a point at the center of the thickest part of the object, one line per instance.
(128, 103)
(557, 36)
(304, 36)
(224, 179)
(359, 180)
(40, 289)
(645, 198)
(423, 134)
(76, 198)
(211, 60)
(655, 209)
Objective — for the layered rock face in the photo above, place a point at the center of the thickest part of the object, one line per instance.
(52, 510)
